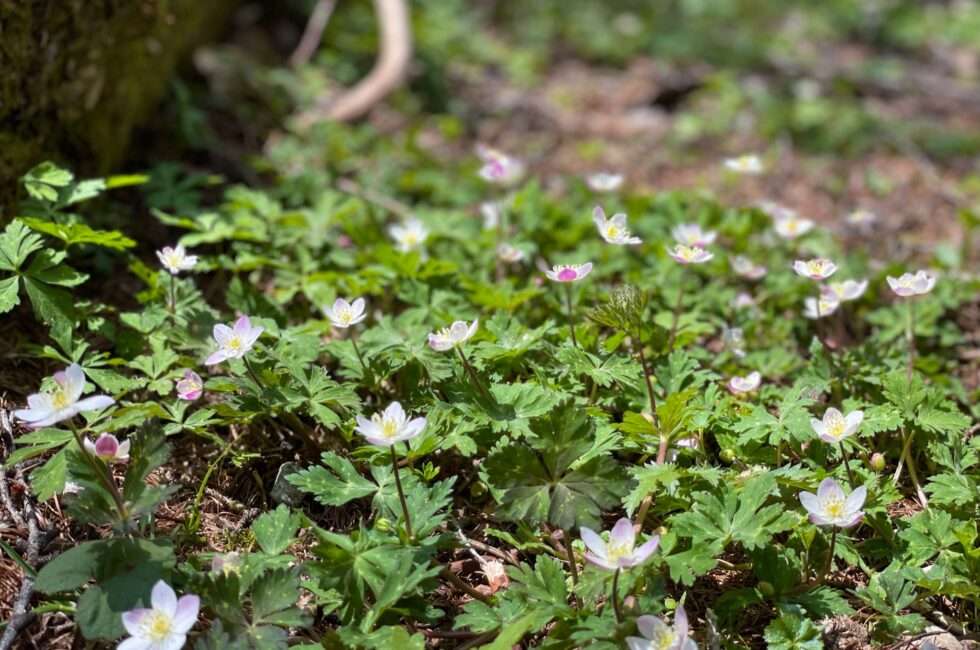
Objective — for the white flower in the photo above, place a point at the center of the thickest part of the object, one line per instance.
(792, 226)
(510, 254)
(108, 448)
(614, 230)
(814, 308)
(604, 181)
(450, 337)
(689, 254)
(816, 269)
(190, 387)
(409, 235)
(746, 384)
(657, 635)
(746, 268)
(491, 214)
(846, 290)
(226, 563)
(233, 342)
(620, 551)
(344, 314)
(176, 259)
(165, 625)
(391, 426)
(861, 218)
(63, 403)
(830, 507)
(835, 426)
(747, 164)
(733, 339)
(498, 167)
(912, 285)
(569, 272)
(690, 234)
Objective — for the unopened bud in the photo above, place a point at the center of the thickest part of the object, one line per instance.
(877, 462)
(383, 524)
(727, 455)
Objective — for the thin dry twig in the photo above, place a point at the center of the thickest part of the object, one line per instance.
(313, 33)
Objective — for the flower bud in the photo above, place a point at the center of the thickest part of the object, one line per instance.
(727, 455)
(877, 462)
(383, 524)
(478, 489)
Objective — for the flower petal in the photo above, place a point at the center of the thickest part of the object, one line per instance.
(622, 534)
(186, 614)
(651, 626)
(592, 541)
(94, 403)
(163, 598)
(131, 620)
(74, 381)
(641, 554)
(135, 643)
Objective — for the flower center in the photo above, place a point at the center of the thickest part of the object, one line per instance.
(836, 428)
(410, 239)
(158, 626)
(616, 551)
(345, 316)
(612, 231)
(234, 343)
(663, 640)
(567, 275)
(389, 428)
(60, 399)
(833, 508)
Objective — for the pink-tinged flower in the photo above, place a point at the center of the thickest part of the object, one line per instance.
(775, 211)
(747, 164)
(226, 563)
(176, 259)
(233, 342)
(657, 635)
(63, 403)
(792, 226)
(108, 448)
(453, 336)
(409, 235)
(743, 300)
(746, 268)
(510, 254)
(620, 551)
(814, 308)
(861, 218)
(190, 386)
(344, 314)
(836, 426)
(690, 234)
(498, 167)
(746, 384)
(391, 426)
(816, 269)
(604, 181)
(831, 507)
(845, 291)
(910, 284)
(614, 229)
(165, 625)
(569, 272)
(689, 254)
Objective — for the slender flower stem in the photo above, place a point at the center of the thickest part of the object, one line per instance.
(101, 470)
(830, 554)
(677, 314)
(615, 597)
(910, 339)
(571, 317)
(357, 351)
(251, 372)
(401, 494)
(648, 377)
(571, 557)
(907, 458)
(173, 295)
(473, 376)
(847, 463)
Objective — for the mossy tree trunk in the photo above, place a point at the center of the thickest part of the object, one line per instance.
(77, 75)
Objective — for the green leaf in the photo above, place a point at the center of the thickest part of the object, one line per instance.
(276, 530)
(43, 181)
(793, 632)
(335, 483)
(17, 242)
(71, 569)
(79, 233)
(511, 634)
(9, 293)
